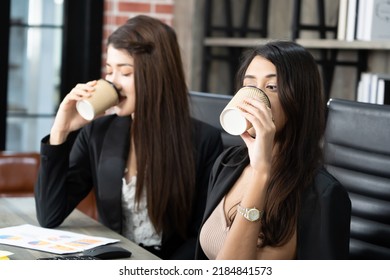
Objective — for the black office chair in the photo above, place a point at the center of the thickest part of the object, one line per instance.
(357, 153)
(207, 107)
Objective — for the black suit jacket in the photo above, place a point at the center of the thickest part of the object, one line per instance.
(324, 219)
(95, 157)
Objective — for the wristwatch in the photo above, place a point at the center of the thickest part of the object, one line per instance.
(251, 214)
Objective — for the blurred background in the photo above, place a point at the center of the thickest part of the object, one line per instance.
(48, 46)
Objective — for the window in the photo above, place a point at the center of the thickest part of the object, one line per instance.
(47, 46)
(34, 71)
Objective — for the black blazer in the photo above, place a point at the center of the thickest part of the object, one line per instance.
(95, 157)
(324, 220)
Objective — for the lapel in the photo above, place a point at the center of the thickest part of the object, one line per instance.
(223, 180)
(111, 166)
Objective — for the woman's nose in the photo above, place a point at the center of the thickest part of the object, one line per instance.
(111, 79)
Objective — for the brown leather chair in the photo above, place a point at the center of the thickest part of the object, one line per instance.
(88, 205)
(18, 174)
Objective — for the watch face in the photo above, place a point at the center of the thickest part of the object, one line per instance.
(253, 214)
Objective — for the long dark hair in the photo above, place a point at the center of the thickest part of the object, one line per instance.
(162, 126)
(299, 142)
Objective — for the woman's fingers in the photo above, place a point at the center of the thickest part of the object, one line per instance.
(82, 90)
(261, 145)
(79, 92)
(257, 112)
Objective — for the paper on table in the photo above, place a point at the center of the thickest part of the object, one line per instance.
(50, 240)
(4, 255)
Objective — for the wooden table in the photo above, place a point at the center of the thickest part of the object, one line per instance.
(18, 211)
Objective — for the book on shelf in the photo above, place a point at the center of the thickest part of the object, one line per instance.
(375, 77)
(342, 20)
(383, 96)
(364, 88)
(377, 20)
(352, 12)
(365, 20)
(374, 88)
(361, 19)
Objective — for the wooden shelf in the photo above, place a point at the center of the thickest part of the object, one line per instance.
(307, 43)
(327, 52)
(346, 45)
(233, 42)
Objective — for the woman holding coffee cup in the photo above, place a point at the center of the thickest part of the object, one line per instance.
(272, 198)
(149, 162)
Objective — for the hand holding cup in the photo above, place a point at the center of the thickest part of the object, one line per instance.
(104, 97)
(232, 119)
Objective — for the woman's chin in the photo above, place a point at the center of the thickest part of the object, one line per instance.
(121, 112)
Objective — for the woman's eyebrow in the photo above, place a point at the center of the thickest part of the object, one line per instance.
(121, 65)
(249, 77)
(271, 75)
(125, 64)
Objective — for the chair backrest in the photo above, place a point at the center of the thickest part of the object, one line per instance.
(207, 107)
(18, 173)
(357, 153)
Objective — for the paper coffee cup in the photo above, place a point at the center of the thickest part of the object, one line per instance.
(232, 119)
(104, 97)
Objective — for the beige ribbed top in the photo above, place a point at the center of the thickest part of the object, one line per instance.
(214, 232)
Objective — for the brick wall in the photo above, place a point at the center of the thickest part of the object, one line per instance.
(116, 12)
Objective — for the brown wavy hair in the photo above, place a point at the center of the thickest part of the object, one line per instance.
(161, 127)
(299, 154)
